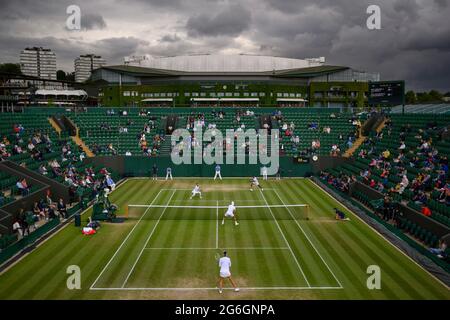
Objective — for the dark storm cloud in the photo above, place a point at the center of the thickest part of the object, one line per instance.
(230, 22)
(412, 44)
(66, 50)
(170, 38)
(441, 3)
(92, 21)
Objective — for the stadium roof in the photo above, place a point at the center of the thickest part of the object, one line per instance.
(297, 73)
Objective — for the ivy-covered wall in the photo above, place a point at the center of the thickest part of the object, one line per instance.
(318, 94)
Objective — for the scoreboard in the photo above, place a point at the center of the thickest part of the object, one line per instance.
(387, 93)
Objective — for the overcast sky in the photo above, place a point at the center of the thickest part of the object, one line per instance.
(413, 43)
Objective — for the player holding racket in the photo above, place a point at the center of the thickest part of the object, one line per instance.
(225, 273)
(230, 213)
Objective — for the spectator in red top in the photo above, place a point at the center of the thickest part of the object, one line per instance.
(426, 211)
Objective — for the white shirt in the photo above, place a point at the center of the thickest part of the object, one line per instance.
(196, 189)
(225, 265)
(231, 209)
(255, 181)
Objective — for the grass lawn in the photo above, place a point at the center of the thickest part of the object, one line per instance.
(167, 249)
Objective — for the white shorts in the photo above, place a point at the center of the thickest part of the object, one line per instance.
(229, 214)
(195, 192)
(225, 274)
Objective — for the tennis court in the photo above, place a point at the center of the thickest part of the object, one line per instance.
(185, 237)
(287, 245)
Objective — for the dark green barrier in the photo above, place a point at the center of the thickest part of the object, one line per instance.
(142, 166)
(399, 233)
(27, 240)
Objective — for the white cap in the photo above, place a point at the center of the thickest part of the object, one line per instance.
(232, 203)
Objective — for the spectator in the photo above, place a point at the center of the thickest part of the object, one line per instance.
(426, 211)
(62, 208)
(440, 251)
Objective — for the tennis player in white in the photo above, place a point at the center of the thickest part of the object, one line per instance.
(264, 172)
(225, 273)
(255, 182)
(196, 191)
(231, 213)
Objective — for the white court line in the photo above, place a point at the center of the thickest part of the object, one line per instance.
(215, 289)
(285, 240)
(183, 189)
(214, 207)
(217, 225)
(312, 244)
(123, 242)
(232, 248)
(377, 232)
(148, 239)
(214, 200)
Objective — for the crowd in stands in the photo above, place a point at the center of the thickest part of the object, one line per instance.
(341, 182)
(430, 182)
(404, 163)
(29, 219)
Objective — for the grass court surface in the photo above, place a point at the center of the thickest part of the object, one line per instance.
(167, 249)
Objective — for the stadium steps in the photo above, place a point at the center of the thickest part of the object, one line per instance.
(166, 146)
(349, 152)
(381, 126)
(55, 126)
(76, 139)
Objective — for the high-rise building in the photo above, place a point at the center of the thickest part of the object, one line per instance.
(38, 62)
(84, 65)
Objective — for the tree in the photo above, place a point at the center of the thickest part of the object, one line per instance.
(10, 68)
(410, 97)
(435, 96)
(423, 97)
(70, 76)
(63, 76)
(60, 75)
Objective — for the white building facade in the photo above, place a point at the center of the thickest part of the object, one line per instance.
(38, 62)
(84, 65)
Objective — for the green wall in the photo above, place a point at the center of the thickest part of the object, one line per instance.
(112, 95)
(142, 166)
(344, 89)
